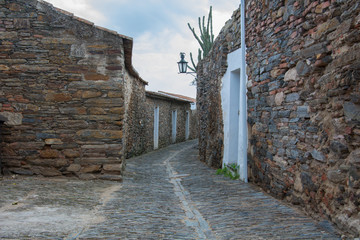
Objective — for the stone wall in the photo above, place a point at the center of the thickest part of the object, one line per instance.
(62, 91)
(303, 59)
(135, 105)
(209, 74)
(303, 103)
(166, 105)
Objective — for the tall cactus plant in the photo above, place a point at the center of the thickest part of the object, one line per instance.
(206, 39)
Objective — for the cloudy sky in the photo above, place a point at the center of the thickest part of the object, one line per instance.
(160, 32)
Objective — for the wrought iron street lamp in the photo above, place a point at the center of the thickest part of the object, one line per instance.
(183, 65)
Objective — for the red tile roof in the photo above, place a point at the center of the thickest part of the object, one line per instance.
(179, 96)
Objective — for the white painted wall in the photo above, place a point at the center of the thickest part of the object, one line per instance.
(187, 125)
(156, 127)
(232, 102)
(173, 125)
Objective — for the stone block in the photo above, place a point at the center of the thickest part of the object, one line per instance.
(297, 184)
(86, 176)
(283, 114)
(49, 172)
(292, 97)
(113, 167)
(70, 153)
(317, 155)
(73, 110)
(339, 148)
(118, 110)
(352, 111)
(90, 94)
(4, 68)
(354, 157)
(279, 98)
(104, 102)
(27, 145)
(46, 135)
(96, 111)
(110, 177)
(302, 112)
(274, 85)
(91, 169)
(98, 160)
(307, 182)
(50, 162)
(51, 141)
(291, 75)
(325, 27)
(58, 97)
(115, 94)
(74, 168)
(8, 35)
(49, 153)
(336, 176)
(313, 50)
(96, 77)
(100, 134)
(302, 68)
(114, 67)
(22, 171)
(13, 119)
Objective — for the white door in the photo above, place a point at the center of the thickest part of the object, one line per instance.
(187, 125)
(173, 126)
(156, 127)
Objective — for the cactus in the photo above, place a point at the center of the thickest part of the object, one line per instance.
(206, 39)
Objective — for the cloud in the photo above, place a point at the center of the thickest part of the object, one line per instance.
(135, 17)
(83, 9)
(156, 56)
(160, 32)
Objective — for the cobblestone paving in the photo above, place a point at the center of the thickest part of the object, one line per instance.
(169, 194)
(166, 194)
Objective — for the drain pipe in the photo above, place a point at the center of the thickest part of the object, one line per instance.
(243, 138)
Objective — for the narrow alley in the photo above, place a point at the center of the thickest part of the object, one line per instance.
(165, 194)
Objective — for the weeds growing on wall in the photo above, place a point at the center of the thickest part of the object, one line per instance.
(231, 171)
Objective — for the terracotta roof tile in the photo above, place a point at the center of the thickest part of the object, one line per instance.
(180, 96)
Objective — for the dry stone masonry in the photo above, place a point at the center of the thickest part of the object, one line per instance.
(62, 91)
(72, 102)
(303, 103)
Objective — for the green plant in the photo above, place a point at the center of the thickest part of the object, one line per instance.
(206, 39)
(231, 171)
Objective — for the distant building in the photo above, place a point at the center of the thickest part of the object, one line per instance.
(192, 100)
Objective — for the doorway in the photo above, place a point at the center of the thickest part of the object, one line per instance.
(233, 98)
(173, 126)
(156, 127)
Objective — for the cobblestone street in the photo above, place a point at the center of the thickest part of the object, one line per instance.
(166, 194)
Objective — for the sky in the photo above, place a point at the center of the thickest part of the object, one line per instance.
(159, 30)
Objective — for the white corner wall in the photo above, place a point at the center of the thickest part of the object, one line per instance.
(234, 124)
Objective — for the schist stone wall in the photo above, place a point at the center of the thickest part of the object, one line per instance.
(303, 103)
(210, 73)
(135, 107)
(62, 90)
(166, 105)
